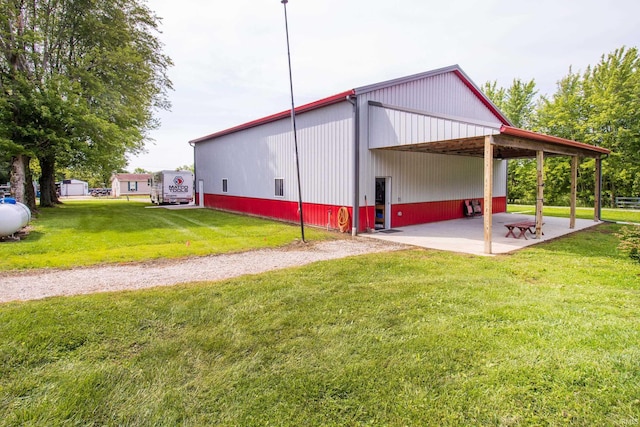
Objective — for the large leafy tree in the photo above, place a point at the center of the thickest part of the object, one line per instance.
(80, 81)
(518, 103)
(612, 92)
(600, 107)
(559, 116)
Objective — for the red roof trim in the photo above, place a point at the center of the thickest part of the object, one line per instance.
(481, 96)
(512, 131)
(282, 115)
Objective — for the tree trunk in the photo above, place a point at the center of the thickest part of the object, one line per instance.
(29, 189)
(22, 181)
(18, 177)
(48, 194)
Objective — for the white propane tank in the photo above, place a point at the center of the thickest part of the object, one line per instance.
(13, 216)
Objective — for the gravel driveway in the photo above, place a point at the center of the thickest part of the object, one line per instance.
(38, 284)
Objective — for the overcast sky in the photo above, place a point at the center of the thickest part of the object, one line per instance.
(231, 59)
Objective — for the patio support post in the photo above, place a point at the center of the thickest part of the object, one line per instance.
(574, 191)
(598, 190)
(488, 192)
(540, 193)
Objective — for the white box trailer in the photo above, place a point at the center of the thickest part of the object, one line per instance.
(171, 187)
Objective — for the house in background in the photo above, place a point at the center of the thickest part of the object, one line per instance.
(73, 187)
(130, 184)
(401, 152)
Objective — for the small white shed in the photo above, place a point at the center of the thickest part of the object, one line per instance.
(73, 187)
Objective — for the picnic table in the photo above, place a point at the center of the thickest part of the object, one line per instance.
(522, 227)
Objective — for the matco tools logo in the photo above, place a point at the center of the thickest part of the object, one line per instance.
(178, 185)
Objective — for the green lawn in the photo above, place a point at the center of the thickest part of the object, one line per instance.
(547, 336)
(608, 214)
(80, 233)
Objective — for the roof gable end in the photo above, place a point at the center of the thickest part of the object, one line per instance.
(457, 71)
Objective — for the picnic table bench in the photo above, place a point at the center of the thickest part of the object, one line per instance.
(523, 227)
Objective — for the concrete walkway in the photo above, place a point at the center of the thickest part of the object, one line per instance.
(467, 235)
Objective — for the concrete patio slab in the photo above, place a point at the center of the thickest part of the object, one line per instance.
(467, 235)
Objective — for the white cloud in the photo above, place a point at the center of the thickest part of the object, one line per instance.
(231, 65)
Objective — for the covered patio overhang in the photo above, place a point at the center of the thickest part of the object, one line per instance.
(440, 134)
(465, 235)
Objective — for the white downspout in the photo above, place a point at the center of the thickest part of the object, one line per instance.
(356, 166)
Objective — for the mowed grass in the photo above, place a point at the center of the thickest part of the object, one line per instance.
(80, 233)
(547, 336)
(607, 214)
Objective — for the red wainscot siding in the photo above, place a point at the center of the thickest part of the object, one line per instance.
(314, 214)
(421, 213)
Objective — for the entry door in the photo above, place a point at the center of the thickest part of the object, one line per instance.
(383, 203)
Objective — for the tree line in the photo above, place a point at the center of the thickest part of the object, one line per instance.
(80, 81)
(600, 106)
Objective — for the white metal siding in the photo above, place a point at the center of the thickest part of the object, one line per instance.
(251, 159)
(420, 177)
(425, 177)
(390, 127)
(440, 94)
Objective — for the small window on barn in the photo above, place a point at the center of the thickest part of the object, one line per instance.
(224, 185)
(279, 187)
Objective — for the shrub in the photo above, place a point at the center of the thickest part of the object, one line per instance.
(630, 241)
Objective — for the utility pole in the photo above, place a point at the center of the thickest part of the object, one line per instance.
(293, 122)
